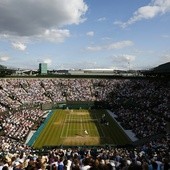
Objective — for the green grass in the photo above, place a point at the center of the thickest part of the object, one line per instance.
(66, 127)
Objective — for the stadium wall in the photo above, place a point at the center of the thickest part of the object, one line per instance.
(36, 134)
(68, 105)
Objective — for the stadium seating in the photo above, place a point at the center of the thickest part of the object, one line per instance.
(140, 105)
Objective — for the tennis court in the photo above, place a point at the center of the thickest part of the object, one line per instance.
(80, 127)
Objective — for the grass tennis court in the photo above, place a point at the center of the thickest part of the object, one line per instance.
(67, 128)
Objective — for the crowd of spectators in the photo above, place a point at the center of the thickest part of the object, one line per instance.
(17, 125)
(17, 92)
(140, 105)
(151, 156)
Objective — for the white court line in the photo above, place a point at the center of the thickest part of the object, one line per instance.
(68, 118)
(68, 126)
(62, 131)
(81, 127)
(61, 136)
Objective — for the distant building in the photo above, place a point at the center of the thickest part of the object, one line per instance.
(43, 68)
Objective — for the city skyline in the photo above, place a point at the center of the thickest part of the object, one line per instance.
(84, 34)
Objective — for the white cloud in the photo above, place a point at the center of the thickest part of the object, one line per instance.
(124, 61)
(123, 58)
(165, 58)
(106, 38)
(94, 48)
(29, 18)
(156, 7)
(55, 35)
(19, 46)
(165, 36)
(4, 35)
(84, 65)
(15, 39)
(128, 58)
(117, 22)
(115, 45)
(90, 33)
(48, 61)
(4, 58)
(121, 44)
(101, 19)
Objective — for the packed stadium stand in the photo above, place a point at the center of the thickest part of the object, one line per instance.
(140, 105)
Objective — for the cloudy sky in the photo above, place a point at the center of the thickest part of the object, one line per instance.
(84, 34)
